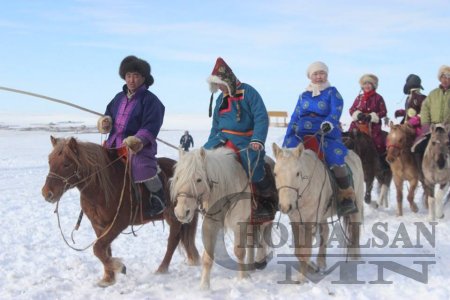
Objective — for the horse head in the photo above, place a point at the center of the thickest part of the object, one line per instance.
(288, 177)
(189, 184)
(400, 137)
(63, 169)
(438, 146)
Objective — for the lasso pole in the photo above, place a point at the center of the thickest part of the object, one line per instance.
(69, 104)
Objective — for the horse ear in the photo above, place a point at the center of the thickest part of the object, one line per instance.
(180, 152)
(391, 124)
(73, 145)
(275, 149)
(299, 149)
(53, 140)
(202, 152)
(433, 127)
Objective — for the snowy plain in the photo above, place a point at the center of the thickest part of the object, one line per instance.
(35, 263)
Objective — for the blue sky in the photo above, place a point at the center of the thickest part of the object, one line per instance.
(71, 50)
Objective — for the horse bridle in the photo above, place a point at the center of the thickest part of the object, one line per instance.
(198, 199)
(65, 180)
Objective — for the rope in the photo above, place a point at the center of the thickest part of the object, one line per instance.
(69, 104)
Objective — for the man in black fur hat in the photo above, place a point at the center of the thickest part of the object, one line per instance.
(133, 119)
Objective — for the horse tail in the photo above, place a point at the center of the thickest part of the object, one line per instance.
(187, 238)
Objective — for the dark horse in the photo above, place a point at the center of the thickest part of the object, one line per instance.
(107, 200)
(374, 166)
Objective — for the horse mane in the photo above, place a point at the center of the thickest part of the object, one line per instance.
(92, 162)
(218, 168)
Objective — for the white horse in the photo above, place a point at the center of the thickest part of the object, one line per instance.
(305, 192)
(214, 182)
(436, 170)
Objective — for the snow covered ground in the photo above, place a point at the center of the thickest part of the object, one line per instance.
(35, 263)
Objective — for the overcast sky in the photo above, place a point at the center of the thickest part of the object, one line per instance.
(71, 50)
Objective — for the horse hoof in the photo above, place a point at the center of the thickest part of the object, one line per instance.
(367, 199)
(441, 217)
(260, 265)
(124, 270)
(162, 270)
(374, 205)
(414, 208)
(105, 283)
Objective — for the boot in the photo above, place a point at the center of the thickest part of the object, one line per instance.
(157, 199)
(266, 197)
(346, 198)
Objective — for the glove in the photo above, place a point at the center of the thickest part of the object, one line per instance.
(104, 124)
(368, 118)
(326, 127)
(399, 113)
(133, 143)
(360, 117)
(411, 112)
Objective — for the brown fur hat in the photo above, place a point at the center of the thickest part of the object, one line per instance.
(133, 64)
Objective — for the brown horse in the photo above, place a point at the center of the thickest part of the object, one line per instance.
(403, 165)
(109, 202)
(374, 166)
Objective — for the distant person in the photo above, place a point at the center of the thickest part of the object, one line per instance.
(317, 114)
(367, 111)
(133, 119)
(413, 102)
(186, 141)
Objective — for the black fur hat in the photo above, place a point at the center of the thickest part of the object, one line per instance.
(412, 82)
(133, 64)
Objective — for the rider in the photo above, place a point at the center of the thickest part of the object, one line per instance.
(367, 111)
(240, 122)
(435, 110)
(318, 111)
(133, 119)
(413, 102)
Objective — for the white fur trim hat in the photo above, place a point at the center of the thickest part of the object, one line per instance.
(372, 79)
(316, 66)
(444, 70)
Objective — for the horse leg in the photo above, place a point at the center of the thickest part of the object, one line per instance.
(111, 265)
(383, 200)
(303, 250)
(399, 187)
(265, 238)
(412, 189)
(188, 232)
(439, 200)
(368, 195)
(240, 250)
(251, 245)
(210, 235)
(172, 243)
(431, 209)
(321, 259)
(353, 229)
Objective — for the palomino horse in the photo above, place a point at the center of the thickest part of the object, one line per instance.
(436, 170)
(403, 166)
(99, 175)
(305, 191)
(214, 182)
(373, 165)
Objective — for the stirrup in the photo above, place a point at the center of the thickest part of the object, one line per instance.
(346, 207)
(157, 205)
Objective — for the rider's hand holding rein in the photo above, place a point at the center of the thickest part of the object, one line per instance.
(133, 143)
